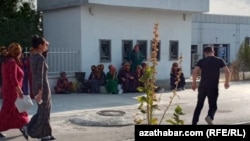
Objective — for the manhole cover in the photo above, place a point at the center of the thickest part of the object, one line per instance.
(111, 113)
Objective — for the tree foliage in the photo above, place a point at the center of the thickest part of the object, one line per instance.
(244, 54)
(19, 20)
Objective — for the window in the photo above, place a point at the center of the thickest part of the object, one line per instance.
(105, 50)
(127, 46)
(173, 50)
(194, 56)
(194, 49)
(143, 47)
(159, 50)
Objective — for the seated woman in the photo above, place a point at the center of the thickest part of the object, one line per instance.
(126, 79)
(174, 75)
(137, 75)
(112, 82)
(97, 78)
(63, 86)
(144, 67)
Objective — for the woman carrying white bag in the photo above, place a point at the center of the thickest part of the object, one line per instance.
(10, 117)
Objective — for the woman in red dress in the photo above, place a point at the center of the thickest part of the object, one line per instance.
(12, 74)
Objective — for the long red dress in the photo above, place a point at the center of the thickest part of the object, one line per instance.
(10, 118)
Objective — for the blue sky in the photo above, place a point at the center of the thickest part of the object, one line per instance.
(230, 7)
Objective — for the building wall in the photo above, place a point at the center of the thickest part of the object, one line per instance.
(176, 5)
(220, 29)
(74, 28)
(62, 29)
(117, 24)
(83, 28)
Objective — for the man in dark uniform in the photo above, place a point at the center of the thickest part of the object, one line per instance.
(210, 67)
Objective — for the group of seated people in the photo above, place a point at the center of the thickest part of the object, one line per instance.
(122, 81)
(114, 81)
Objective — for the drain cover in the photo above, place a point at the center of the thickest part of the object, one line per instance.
(111, 113)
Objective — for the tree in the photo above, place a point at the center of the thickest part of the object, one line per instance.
(244, 56)
(19, 20)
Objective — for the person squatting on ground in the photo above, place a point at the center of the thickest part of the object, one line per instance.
(176, 75)
(63, 86)
(137, 74)
(10, 118)
(209, 67)
(126, 79)
(97, 78)
(39, 125)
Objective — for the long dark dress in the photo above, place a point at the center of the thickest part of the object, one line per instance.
(173, 79)
(10, 118)
(136, 58)
(39, 125)
(128, 85)
(25, 87)
(96, 82)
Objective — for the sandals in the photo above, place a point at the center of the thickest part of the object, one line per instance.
(48, 138)
(24, 132)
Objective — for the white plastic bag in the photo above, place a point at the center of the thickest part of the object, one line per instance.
(23, 104)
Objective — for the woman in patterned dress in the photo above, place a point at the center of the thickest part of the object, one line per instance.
(13, 74)
(39, 125)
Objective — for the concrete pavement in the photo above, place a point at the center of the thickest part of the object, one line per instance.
(108, 117)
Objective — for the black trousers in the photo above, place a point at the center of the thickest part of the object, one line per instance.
(212, 95)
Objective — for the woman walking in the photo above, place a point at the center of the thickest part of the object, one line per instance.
(39, 125)
(13, 74)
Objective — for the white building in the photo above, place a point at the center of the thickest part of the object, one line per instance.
(89, 32)
(225, 33)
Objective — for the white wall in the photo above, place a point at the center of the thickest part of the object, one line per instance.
(61, 27)
(70, 24)
(176, 5)
(179, 5)
(118, 24)
(227, 29)
(62, 30)
(214, 33)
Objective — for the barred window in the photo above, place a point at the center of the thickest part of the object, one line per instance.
(105, 51)
(159, 50)
(143, 47)
(173, 50)
(127, 46)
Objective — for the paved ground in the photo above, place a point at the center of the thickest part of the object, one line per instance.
(106, 117)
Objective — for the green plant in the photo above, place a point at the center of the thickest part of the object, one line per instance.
(243, 56)
(241, 64)
(149, 79)
(235, 70)
(176, 116)
(150, 99)
(174, 91)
